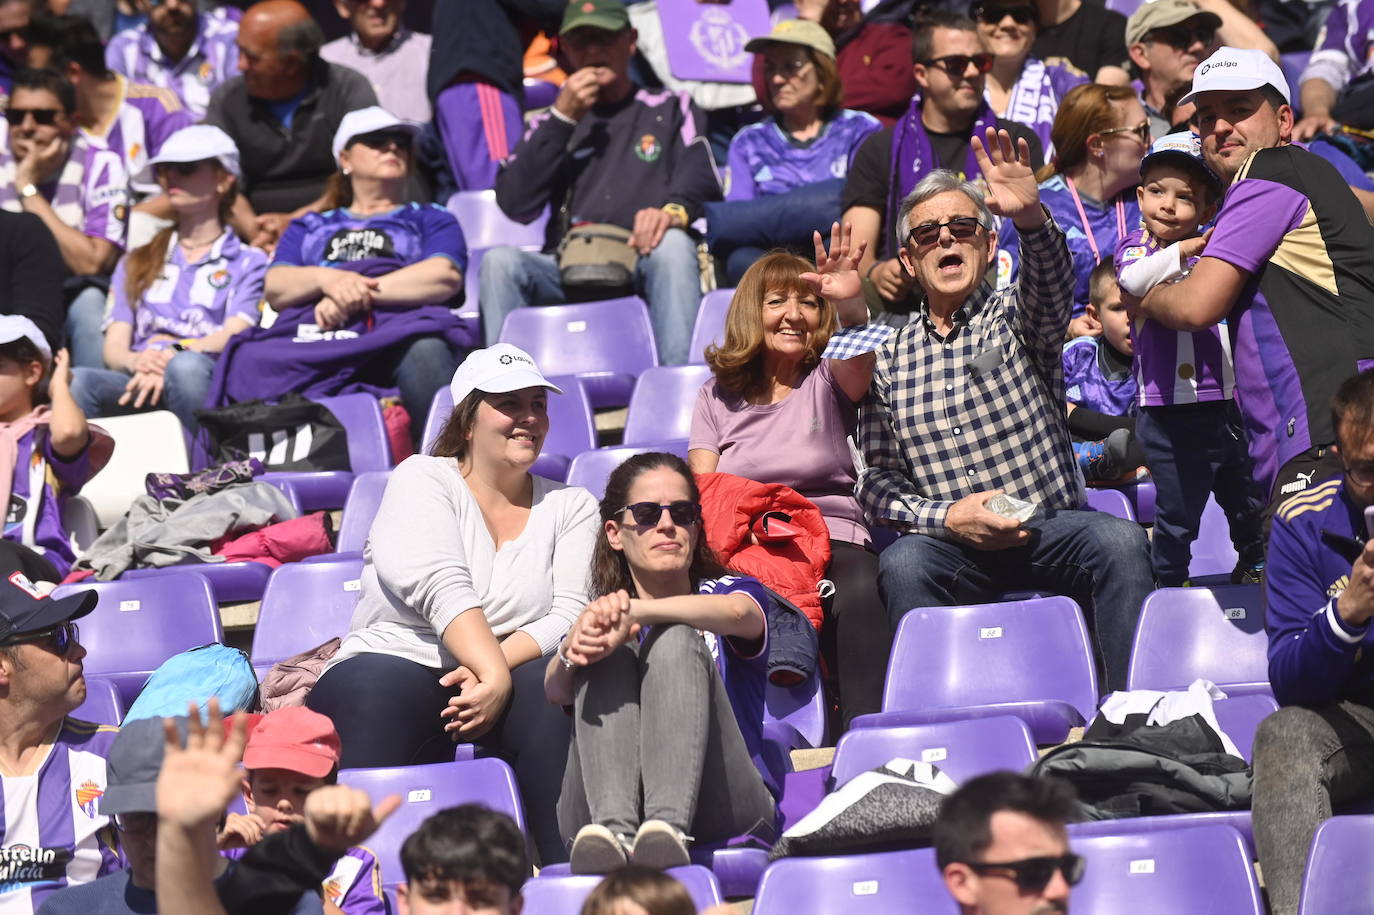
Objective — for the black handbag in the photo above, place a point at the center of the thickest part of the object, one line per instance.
(293, 434)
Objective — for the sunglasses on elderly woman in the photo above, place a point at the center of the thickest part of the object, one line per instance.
(683, 512)
(381, 139)
(928, 233)
(1032, 875)
(957, 65)
(59, 639)
(44, 117)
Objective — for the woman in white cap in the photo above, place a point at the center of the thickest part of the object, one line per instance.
(473, 572)
(177, 300)
(363, 290)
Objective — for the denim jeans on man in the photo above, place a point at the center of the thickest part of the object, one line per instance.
(669, 279)
(1097, 559)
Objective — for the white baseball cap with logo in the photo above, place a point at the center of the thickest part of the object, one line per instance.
(496, 370)
(1236, 70)
(198, 143)
(367, 120)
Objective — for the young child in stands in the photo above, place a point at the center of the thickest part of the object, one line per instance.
(1100, 388)
(291, 752)
(1187, 423)
(469, 856)
(47, 452)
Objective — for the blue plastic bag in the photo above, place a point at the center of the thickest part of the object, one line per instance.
(212, 670)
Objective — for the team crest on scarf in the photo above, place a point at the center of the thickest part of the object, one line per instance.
(648, 148)
(86, 796)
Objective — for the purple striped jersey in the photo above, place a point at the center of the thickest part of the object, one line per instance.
(90, 192)
(145, 118)
(212, 59)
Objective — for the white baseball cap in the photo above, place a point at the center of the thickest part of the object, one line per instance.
(495, 370)
(1184, 146)
(1236, 70)
(197, 143)
(17, 327)
(366, 120)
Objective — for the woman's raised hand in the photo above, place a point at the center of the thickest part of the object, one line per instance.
(837, 271)
(1011, 188)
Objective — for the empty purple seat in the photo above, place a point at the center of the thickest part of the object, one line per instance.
(662, 404)
(1239, 717)
(424, 791)
(1293, 64)
(1213, 553)
(591, 469)
(306, 603)
(1338, 877)
(484, 224)
(881, 883)
(539, 93)
(368, 449)
(364, 498)
(572, 426)
(563, 894)
(138, 624)
(1124, 7)
(795, 716)
(962, 749)
(103, 704)
(710, 324)
(1111, 501)
(229, 581)
(607, 344)
(1202, 870)
(1214, 633)
(1142, 498)
(1028, 658)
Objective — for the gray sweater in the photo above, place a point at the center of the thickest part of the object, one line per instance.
(430, 557)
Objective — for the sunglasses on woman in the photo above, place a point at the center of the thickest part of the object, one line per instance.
(381, 139)
(59, 640)
(1141, 131)
(683, 512)
(44, 117)
(184, 169)
(1032, 875)
(957, 65)
(992, 14)
(928, 233)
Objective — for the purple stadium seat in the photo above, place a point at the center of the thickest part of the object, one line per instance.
(368, 449)
(539, 93)
(1215, 633)
(1111, 501)
(484, 225)
(572, 426)
(229, 581)
(1239, 716)
(1124, 7)
(591, 469)
(424, 791)
(364, 498)
(795, 716)
(881, 883)
(306, 603)
(1293, 64)
(1142, 498)
(607, 344)
(710, 324)
(662, 403)
(103, 704)
(139, 624)
(1213, 554)
(1338, 877)
(1028, 658)
(1203, 870)
(564, 894)
(962, 749)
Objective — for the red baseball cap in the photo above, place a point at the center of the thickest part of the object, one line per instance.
(296, 739)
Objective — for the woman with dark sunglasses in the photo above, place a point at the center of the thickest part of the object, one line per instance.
(363, 290)
(665, 672)
(1020, 87)
(176, 301)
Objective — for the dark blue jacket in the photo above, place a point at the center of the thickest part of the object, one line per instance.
(1315, 658)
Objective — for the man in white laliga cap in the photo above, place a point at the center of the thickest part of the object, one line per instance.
(1290, 262)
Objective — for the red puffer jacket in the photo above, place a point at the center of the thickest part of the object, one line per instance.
(793, 564)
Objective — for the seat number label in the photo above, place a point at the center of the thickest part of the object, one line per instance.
(418, 795)
(126, 605)
(934, 754)
(353, 584)
(990, 632)
(1143, 866)
(865, 888)
(1234, 613)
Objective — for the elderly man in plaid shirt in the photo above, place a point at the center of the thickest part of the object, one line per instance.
(968, 402)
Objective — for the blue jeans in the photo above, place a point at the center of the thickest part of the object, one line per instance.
(1101, 561)
(668, 278)
(426, 366)
(85, 333)
(186, 382)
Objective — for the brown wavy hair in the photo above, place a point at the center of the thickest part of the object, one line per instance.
(653, 891)
(453, 438)
(1085, 110)
(738, 362)
(610, 569)
(143, 264)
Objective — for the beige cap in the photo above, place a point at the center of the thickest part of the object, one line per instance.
(1160, 14)
(804, 32)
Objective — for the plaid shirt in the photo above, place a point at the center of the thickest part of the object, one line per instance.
(980, 409)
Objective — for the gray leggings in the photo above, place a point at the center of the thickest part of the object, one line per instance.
(655, 738)
(1306, 760)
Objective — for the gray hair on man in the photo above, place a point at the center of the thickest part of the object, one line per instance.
(941, 181)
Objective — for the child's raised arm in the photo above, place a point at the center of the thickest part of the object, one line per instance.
(67, 426)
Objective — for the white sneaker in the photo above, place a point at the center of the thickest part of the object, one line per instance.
(596, 850)
(660, 846)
